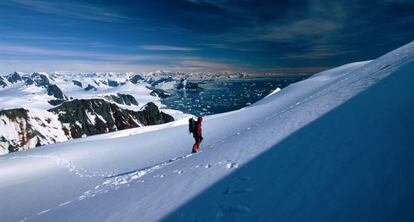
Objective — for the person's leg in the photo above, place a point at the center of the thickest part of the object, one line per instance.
(195, 146)
(199, 139)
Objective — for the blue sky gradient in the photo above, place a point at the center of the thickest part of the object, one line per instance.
(198, 35)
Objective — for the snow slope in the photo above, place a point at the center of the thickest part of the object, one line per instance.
(279, 159)
(353, 164)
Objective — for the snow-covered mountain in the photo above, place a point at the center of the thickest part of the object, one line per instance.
(22, 129)
(41, 108)
(43, 90)
(334, 147)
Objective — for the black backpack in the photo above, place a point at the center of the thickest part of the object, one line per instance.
(192, 125)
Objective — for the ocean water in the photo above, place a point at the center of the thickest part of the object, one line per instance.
(218, 96)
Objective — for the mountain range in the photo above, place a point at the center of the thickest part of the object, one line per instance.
(39, 108)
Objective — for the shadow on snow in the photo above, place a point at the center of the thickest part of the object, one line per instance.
(353, 164)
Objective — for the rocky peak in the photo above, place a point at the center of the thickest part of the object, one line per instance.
(54, 90)
(40, 79)
(90, 87)
(151, 115)
(77, 83)
(123, 99)
(2, 82)
(27, 80)
(112, 83)
(94, 116)
(15, 77)
(160, 93)
(136, 78)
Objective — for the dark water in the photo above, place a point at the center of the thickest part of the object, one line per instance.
(220, 96)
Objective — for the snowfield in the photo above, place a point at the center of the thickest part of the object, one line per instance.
(334, 147)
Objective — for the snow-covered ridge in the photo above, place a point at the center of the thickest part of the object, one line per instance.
(22, 129)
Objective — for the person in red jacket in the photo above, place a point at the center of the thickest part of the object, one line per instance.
(197, 134)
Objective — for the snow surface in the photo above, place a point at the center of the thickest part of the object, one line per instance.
(334, 147)
(19, 95)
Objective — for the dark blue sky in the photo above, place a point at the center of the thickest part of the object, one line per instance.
(198, 35)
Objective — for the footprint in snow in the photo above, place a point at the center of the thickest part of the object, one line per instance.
(43, 212)
(65, 203)
(232, 165)
(159, 176)
(178, 171)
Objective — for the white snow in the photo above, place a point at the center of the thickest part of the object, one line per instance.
(334, 147)
(9, 129)
(139, 91)
(20, 96)
(166, 85)
(91, 117)
(44, 122)
(47, 124)
(274, 91)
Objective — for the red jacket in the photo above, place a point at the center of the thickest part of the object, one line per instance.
(198, 129)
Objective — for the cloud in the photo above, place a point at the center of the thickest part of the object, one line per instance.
(68, 9)
(295, 30)
(318, 52)
(166, 48)
(30, 58)
(396, 2)
(216, 3)
(73, 65)
(229, 46)
(220, 34)
(52, 39)
(32, 52)
(314, 30)
(25, 36)
(33, 58)
(296, 70)
(11, 65)
(202, 65)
